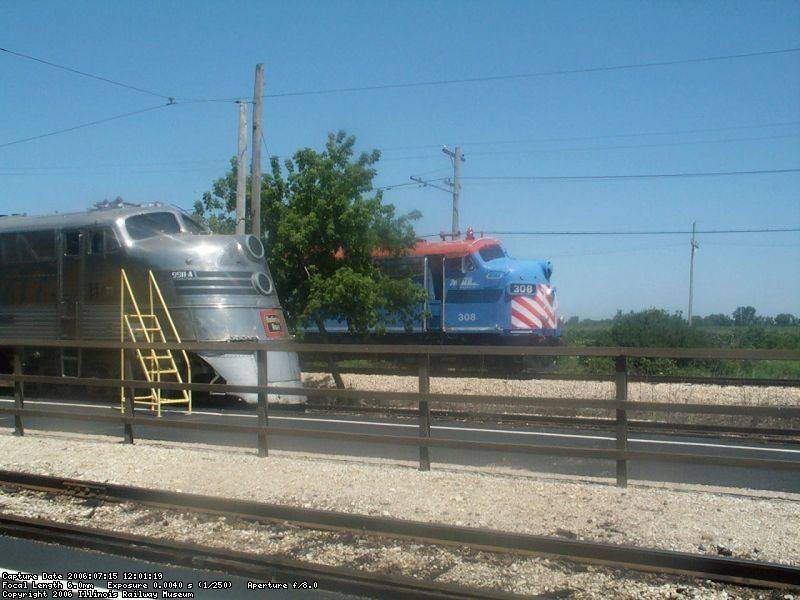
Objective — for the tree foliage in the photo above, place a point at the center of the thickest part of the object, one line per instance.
(321, 222)
(653, 328)
(744, 315)
(217, 208)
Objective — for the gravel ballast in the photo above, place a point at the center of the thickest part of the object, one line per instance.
(762, 526)
(748, 524)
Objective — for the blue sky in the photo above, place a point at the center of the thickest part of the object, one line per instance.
(712, 116)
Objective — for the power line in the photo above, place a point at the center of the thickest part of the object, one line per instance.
(532, 75)
(568, 178)
(598, 148)
(171, 99)
(636, 146)
(596, 137)
(674, 232)
(90, 124)
(264, 142)
(84, 74)
(396, 185)
(628, 177)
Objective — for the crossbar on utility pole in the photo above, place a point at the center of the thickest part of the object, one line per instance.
(458, 158)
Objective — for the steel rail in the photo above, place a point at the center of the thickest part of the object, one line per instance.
(550, 402)
(785, 436)
(410, 440)
(378, 349)
(685, 429)
(733, 570)
(455, 373)
(242, 564)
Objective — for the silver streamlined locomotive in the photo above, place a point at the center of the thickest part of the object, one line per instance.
(61, 280)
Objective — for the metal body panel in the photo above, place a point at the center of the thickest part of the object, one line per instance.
(475, 290)
(61, 279)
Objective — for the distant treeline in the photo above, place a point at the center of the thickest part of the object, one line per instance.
(660, 329)
(743, 316)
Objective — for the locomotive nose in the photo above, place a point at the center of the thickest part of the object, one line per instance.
(254, 247)
(220, 250)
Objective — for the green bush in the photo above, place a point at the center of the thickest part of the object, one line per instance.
(656, 328)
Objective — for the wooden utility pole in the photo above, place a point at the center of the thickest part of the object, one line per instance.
(458, 158)
(241, 176)
(695, 246)
(255, 173)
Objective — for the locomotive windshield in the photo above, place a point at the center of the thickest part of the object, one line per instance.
(192, 226)
(491, 252)
(151, 224)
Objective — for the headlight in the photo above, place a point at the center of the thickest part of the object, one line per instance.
(255, 247)
(262, 283)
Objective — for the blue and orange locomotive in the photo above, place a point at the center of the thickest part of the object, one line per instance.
(476, 294)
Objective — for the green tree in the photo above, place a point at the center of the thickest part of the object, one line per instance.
(785, 320)
(217, 208)
(321, 222)
(656, 329)
(718, 319)
(744, 316)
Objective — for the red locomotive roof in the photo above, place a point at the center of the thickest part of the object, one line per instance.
(451, 248)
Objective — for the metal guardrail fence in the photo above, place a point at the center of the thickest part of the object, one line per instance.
(621, 406)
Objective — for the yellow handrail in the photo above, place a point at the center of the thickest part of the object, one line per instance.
(154, 399)
(171, 322)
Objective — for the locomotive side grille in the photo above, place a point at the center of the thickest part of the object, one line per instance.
(227, 283)
(29, 321)
(474, 296)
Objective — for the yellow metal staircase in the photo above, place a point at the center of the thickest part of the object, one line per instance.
(143, 325)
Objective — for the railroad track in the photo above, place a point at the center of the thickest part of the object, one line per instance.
(766, 434)
(242, 564)
(730, 570)
(526, 374)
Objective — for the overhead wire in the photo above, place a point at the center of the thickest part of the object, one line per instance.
(596, 137)
(652, 232)
(170, 98)
(576, 178)
(598, 148)
(635, 146)
(440, 82)
(535, 178)
(90, 124)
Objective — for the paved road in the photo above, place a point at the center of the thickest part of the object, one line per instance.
(25, 559)
(575, 437)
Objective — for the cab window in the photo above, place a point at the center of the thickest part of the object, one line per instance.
(102, 241)
(72, 243)
(192, 226)
(491, 253)
(149, 225)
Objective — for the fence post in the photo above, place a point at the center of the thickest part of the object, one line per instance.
(622, 419)
(263, 417)
(19, 393)
(129, 404)
(424, 411)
